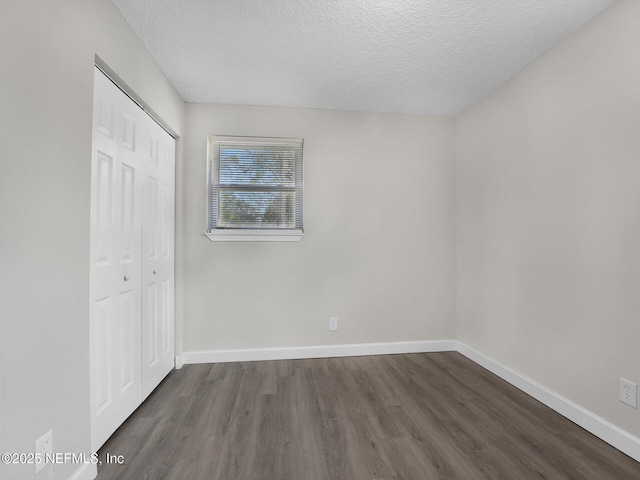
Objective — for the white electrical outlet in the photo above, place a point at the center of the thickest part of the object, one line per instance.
(44, 448)
(628, 393)
(333, 323)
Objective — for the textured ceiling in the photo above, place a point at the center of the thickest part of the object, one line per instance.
(434, 57)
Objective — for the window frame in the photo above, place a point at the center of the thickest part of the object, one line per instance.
(226, 234)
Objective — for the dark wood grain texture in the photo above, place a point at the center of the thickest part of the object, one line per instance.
(405, 417)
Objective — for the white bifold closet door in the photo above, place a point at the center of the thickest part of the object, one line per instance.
(157, 259)
(132, 260)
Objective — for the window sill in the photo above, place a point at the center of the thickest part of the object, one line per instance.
(254, 235)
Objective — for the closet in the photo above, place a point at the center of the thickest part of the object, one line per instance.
(132, 257)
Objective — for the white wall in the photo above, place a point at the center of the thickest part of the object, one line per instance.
(378, 250)
(46, 89)
(548, 219)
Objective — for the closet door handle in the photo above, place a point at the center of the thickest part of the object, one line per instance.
(126, 278)
(155, 271)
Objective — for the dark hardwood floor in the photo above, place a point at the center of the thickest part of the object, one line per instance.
(413, 417)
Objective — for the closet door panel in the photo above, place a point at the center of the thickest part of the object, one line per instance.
(115, 252)
(158, 260)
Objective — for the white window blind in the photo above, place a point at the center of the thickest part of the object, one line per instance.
(255, 184)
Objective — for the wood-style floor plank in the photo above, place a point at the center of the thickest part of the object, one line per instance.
(404, 417)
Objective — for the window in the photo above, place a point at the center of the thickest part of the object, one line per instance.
(255, 188)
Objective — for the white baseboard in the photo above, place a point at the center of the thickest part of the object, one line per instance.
(87, 471)
(320, 351)
(601, 428)
(179, 361)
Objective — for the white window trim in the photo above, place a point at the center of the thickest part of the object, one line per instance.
(245, 234)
